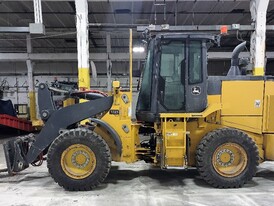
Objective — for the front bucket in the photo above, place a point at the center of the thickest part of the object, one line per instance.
(8, 155)
(15, 153)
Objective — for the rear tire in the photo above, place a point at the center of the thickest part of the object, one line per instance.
(79, 160)
(227, 158)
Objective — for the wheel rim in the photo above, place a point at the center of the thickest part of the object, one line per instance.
(229, 160)
(78, 161)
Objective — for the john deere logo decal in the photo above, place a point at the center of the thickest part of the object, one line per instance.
(196, 90)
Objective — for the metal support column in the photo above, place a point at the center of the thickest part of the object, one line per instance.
(37, 12)
(258, 9)
(109, 64)
(82, 44)
(37, 27)
(176, 13)
(32, 99)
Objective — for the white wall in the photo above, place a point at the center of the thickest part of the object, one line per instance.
(14, 74)
(16, 87)
(61, 67)
(14, 77)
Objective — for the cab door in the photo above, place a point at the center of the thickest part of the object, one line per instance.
(172, 76)
(196, 76)
(182, 77)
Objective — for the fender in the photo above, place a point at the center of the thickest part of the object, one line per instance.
(112, 132)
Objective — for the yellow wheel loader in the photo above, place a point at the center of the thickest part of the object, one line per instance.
(222, 125)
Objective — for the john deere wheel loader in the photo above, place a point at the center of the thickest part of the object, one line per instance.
(224, 126)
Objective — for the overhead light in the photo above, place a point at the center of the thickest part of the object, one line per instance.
(138, 49)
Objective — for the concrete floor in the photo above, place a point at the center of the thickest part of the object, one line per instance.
(135, 184)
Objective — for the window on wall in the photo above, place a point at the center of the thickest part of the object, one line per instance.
(195, 62)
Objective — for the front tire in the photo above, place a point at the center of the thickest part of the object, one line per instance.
(79, 160)
(227, 158)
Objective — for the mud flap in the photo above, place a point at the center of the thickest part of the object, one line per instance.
(15, 153)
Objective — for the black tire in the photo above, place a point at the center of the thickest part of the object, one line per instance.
(205, 157)
(87, 138)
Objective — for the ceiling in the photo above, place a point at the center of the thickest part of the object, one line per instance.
(59, 20)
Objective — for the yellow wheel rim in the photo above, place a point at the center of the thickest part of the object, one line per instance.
(229, 160)
(78, 161)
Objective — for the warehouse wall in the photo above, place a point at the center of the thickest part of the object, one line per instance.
(49, 68)
(13, 75)
(16, 89)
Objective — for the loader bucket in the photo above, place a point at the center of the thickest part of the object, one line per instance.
(15, 153)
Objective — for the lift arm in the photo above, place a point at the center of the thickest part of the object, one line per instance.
(19, 155)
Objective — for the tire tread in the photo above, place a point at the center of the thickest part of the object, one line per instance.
(206, 171)
(67, 137)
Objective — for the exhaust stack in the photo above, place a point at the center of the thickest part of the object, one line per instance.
(234, 68)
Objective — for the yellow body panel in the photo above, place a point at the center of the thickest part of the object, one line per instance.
(213, 99)
(268, 146)
(209, 110)
(269, 114)
(121, 123)
(247, 123)
(242, 97)
(268, 120)
(214, 117)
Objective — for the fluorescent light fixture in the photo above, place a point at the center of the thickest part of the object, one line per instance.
(138, 49)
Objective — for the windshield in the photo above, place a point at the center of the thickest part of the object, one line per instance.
(145, 91)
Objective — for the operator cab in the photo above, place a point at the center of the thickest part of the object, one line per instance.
(174, 78)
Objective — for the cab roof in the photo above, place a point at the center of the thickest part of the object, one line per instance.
(186, 36)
